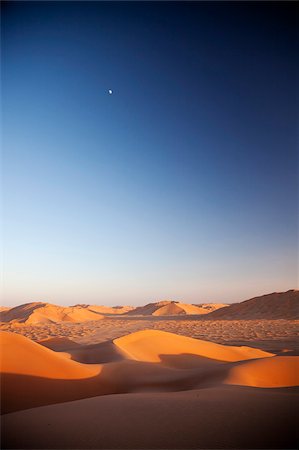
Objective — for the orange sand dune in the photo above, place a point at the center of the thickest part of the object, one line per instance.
(109, 310)
(168, 310)
(103, 352)
(171, 308)
(280, 371)
(34, 313)
(210, 307)
(279, 305)
(33, 375)
(150, 345)
(22, 356)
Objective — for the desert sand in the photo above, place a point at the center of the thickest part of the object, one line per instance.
(173, 380)
(34, 313)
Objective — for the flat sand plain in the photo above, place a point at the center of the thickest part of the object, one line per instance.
(270, 335)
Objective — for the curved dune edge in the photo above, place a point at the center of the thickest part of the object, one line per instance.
(59, 343)
(151, 345)
(38, 312)
(20, 355)
(280, 371)
(33, 375)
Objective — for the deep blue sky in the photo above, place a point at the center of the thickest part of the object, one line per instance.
(182, 184)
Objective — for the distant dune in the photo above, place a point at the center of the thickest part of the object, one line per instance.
(110, 310)
(278, 305)
(171, 308)
(34, 313)
(283, 305)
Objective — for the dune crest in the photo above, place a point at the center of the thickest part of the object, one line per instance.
(20, 355)
(172, 308)
(278, 305)
(38, 312)
(280, 371)
(149, 345)
(110, 310)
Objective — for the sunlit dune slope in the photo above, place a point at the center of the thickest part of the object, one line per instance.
(33, 375)
(150, 345)
(35, 313)
(206, 308)
(280, 371)
(109, 310)
(171, 308)
(278, 305)
(22, 356)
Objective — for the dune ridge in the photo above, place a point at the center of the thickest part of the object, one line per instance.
(39, 312)
(278, 305)
(148, 345)
(34, 375)
(172, 308)
(280, 371)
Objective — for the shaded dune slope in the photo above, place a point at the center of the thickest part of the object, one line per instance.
(35, 313)
(34, 375)
(171, 308)
(149, 345)
(227, 417)
(278, 305)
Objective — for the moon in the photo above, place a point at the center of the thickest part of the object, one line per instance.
(110, 91)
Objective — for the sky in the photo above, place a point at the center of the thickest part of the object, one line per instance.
(182, 184)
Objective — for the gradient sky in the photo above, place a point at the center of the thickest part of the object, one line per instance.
(182, 184)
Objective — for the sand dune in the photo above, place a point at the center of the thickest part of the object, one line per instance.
(34, 313)
(280, 371)
(22, 356)
(34, 375)
(151, 345)
(109, 310)
(169, 390)
(220, 417)
(278, 305)
(170, 308)
(210, 307)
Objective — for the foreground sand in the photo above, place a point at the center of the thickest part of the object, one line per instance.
(149, 388)
(215, 417)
